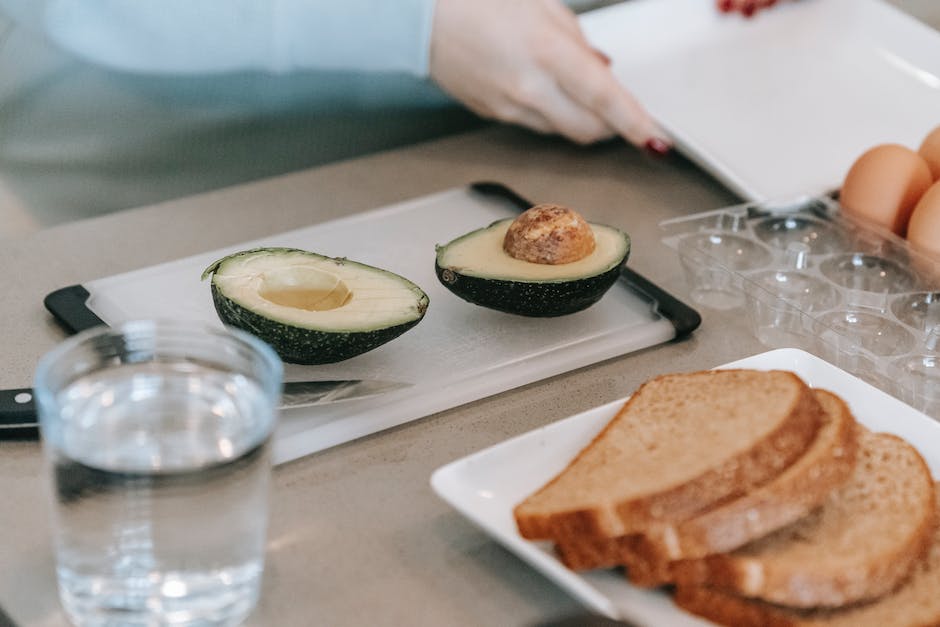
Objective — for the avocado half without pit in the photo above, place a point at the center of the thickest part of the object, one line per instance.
(313, 309)
(547, 262)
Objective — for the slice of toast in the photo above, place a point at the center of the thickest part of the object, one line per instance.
(680, 444)
(801, 487)
(827, 464)
(915, 604)
(592, 553)
(859, 545)
(626, 551)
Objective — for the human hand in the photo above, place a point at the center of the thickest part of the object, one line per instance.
(527, 62)
(745, 7)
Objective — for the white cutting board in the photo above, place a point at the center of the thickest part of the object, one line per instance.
(458, 353)
(780, 105)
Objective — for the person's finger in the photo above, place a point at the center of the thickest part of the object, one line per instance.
(540, 104)
(512, 112)
(532, 120)
(564, 18)
(588, 81)
(591, 83)
(567, 116)
(537, 122)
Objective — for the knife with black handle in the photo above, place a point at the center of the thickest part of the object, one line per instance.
(18, 417)
(17, 414)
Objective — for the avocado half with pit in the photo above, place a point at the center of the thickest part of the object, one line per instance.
(477, 268)
(310, 308)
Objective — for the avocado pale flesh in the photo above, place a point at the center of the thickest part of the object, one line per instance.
(313, 309)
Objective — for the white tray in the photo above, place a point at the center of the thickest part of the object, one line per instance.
(779, 105)
(458, 353)
(486, 486)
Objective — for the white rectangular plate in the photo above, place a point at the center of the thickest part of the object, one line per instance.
(486, 486)
(779, 105)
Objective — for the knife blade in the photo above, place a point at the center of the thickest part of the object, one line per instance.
(306, 393)
(18, 417)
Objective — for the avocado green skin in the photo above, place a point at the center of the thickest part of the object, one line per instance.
(543, 299)
(306, 346)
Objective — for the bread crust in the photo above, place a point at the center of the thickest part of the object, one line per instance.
(915, 604)
(593, 553)
(727, 609)
(615, 553)
(731, 478)
(624, 551)
(824, 582)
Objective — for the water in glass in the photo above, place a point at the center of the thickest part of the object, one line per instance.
(160, 480)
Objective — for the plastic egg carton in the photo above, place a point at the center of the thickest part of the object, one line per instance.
(807, 277)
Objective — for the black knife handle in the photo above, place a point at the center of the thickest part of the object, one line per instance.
(69, 306)
(18, 418)
(683, 318)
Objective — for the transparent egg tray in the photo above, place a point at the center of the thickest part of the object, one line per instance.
(805, 276)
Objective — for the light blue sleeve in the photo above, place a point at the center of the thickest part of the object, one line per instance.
(212, 36)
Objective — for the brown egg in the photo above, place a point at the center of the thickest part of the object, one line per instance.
(549, 234)
(930, 151)
(884, 184)
(923, 231)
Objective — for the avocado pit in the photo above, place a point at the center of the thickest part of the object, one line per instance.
(549, 234)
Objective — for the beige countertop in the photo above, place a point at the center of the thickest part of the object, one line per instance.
(357, 536)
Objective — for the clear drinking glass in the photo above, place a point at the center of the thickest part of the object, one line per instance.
(156, 436)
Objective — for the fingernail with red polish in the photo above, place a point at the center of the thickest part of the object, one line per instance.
(724, 6)
(657, 147)
(749, 9)
(603, 57)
